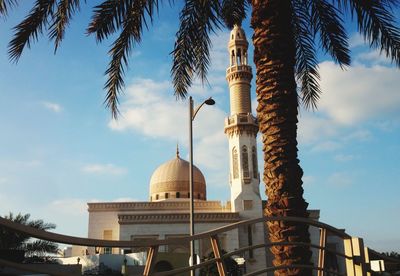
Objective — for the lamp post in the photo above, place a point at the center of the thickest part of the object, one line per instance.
(192, 115)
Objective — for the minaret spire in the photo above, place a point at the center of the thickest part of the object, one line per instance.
(239, 73)
(177, 150)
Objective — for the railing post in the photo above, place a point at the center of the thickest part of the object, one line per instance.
(367, 262)
(217, 254)
(359, 254)
(348, 251)
(321, 251)
(150, 261)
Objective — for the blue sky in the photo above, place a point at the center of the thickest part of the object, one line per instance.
(60, 148)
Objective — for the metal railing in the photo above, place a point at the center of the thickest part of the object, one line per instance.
(354, 254)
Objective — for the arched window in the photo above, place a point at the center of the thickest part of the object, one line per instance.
(166, 195)
(235, 163)
(189, 195)
(254, 160)
(198, 196)
(233, 58)
(239, 55)
(178, 195)
(245, 157)
(156, 197)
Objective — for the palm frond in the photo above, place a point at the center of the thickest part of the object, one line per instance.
(377, 24)
(131, 33)
(5, 5)
(108, 17)
(40, 224)
(234, 11)
(29, 29)
(40, 248)
(15, 240)
(306, 67)
(11, 239)
(65, 10)
(326, 20)
(390, 4)
(191, 50)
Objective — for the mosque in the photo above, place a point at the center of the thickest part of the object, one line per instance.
(166, 214)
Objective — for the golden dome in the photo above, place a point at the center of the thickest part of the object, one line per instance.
(171, 180)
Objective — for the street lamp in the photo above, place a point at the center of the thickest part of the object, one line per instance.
(192, 115)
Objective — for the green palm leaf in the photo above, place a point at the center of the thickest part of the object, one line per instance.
(326, 20)
(29, 29)
(131, 33)
(377, 24)
(234, 11)
(10, 239)
(191, 51)
(5, 5)
(61, 18)
(108, 17)
(306, 67)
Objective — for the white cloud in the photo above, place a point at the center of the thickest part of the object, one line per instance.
(69, 206)
(344, 157)
(150, 110)
(312, 127)
(211, 152)
(327, 146)
(205, 89)
(340, 179)
(219, 61)
(124, 199)
(3, 180)
(388, 125)
(55, 107)
(359, 93)
(356, 40)
(358, 135)
(219, 54)
(308, 180)
(353, 100)
(163, 32)
(32, 163)
(66, 213)
(103, 169)
(374, 56)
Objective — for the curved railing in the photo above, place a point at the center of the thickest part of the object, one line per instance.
(354, 253)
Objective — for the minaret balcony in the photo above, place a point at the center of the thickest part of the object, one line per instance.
(236, 68)
(240, 123)
(241, 119)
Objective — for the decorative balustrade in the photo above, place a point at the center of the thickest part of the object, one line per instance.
(236, 68)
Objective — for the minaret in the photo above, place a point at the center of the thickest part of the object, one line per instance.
(241, 128)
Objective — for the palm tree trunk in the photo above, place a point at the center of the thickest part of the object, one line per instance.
(274, 57)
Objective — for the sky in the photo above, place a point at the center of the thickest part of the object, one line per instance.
(60, 148)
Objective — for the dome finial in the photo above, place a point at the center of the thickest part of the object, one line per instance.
(177, 150)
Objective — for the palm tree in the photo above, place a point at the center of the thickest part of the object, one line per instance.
(34, 249)
(285, 36)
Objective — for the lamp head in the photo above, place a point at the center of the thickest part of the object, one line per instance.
(209, 101)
